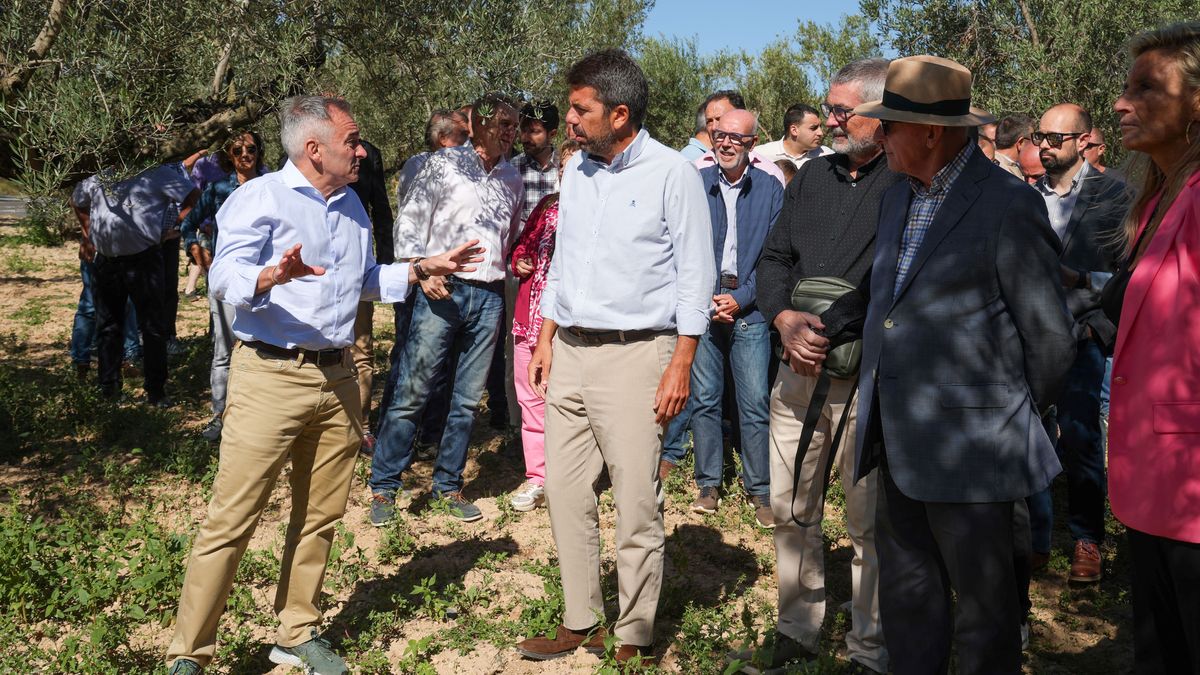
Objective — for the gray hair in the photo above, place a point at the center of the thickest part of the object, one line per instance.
(870, 75)
(305, 117)
(701, 119)
(442, 123)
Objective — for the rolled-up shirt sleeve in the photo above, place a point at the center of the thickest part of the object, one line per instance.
(690, 228)
(243, 249)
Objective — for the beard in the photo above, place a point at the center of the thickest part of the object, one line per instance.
(844, 144)
(600, 145)
(1056, 166)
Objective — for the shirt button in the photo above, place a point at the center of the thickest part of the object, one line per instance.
(1118, 380)
(888, 323)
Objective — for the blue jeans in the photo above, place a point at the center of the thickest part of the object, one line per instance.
(430, 427)
(747, 346)
(1081, 451)
(83, 332)
(1106, 387)
(465, 325)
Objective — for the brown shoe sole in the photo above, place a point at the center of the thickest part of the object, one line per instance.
(1085, 578)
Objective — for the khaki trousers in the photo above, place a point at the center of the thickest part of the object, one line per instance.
(363, 352)
(277, 410)
(600, 412)
(799, 550)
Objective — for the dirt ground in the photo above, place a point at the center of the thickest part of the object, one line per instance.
(712, 562)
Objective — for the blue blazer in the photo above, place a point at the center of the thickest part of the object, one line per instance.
(976, 338)
(758, 205)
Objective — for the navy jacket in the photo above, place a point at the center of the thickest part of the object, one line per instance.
(758, 205)
(978, 336)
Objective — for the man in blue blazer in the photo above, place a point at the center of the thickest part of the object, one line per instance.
(743, 201)
(966, 335)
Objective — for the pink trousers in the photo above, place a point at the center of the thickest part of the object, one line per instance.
(533, 414)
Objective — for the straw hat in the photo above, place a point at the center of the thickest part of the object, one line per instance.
(926, 90)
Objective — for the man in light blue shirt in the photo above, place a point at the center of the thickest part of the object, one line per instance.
(627, 297)
(699, 143)
(294, 393)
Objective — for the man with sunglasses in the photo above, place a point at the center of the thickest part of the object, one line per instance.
(1093, 152)
(1086, 208)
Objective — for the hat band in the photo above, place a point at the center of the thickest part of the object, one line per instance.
(946, 108)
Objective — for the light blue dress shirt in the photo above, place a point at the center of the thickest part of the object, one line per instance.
(268, 215)
(634, 244)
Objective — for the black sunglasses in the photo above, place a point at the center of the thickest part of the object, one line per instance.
(839, 113)
(736, 139)
(1054, 138)
(239, 150)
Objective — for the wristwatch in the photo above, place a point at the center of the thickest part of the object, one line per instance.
(1083, 280)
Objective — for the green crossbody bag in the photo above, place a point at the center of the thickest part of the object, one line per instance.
(814, 295)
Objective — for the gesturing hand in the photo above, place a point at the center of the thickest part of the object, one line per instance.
(292, 266)
(459, 259)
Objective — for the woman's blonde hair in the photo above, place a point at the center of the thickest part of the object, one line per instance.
(1181, 41)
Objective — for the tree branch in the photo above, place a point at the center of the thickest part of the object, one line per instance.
(1033, 34)
(20, 74)
(205, 132)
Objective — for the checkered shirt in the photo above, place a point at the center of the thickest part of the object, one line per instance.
(538, 183)
(922, 210)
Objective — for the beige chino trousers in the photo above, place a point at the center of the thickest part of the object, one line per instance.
(277, 410)
(600, 412)
(363, 352)
(800, 551)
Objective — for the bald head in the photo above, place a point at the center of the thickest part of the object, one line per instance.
(733, 137)
(1066, 117)
(737, 121)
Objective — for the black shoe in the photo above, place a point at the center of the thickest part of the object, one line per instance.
(161, 402)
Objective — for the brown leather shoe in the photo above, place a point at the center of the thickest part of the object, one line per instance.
(664, 469)
(564, 643)
(627, 653)
(1085, 564)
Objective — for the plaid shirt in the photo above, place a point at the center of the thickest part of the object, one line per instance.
(538, 183)
(922, 210)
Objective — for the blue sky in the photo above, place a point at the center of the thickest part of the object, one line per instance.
(748, 25)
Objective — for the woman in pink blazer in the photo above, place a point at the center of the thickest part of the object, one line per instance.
(1154, 423)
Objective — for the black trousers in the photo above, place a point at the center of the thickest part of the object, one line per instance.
(1166, 605)
(139, 278)
(926, 551)
(170, 259)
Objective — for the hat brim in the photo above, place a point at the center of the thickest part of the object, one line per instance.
(877, 110)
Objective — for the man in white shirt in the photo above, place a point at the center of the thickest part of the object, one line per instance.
(462, 191)
(626, 299)
(802, 137)
(295, 395)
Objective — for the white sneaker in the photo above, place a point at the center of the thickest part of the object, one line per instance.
(528, 497)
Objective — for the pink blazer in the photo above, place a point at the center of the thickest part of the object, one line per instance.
(1154, 418)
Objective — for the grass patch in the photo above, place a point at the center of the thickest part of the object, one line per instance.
(20, 264)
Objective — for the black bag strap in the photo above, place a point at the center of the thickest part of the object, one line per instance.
(811, 417)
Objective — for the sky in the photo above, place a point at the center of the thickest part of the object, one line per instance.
(723, 25)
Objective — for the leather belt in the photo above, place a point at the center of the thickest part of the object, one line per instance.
(604, 337)
(320, 357)
(729, 281)
(497, 286)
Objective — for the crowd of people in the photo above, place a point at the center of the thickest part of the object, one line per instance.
(949, 308)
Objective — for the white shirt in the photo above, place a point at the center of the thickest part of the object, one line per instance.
(452, 201)
(130, 216)
(270, 214)
(412, 167)
(730, 193)
(775, 151)
(634, 248)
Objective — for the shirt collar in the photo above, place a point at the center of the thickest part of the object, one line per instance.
(291, 177)
(737, 184)
(1043, 185)
(942, 180)
(841, 165)
(627, 156)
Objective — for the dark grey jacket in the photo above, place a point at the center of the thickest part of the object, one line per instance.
(976, 337)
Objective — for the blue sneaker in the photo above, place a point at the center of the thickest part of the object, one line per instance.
(315, 657)
(383, 508)
(460, 508)
(185, 667)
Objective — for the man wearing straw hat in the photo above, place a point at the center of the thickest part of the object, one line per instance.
(965, 335)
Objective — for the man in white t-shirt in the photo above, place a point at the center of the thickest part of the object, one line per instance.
(802, 137)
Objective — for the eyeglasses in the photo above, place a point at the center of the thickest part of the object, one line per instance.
(239, 150)
(1054, 138)
(884, 125)
(1089, 146)
(839, 113)
(719, 136)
